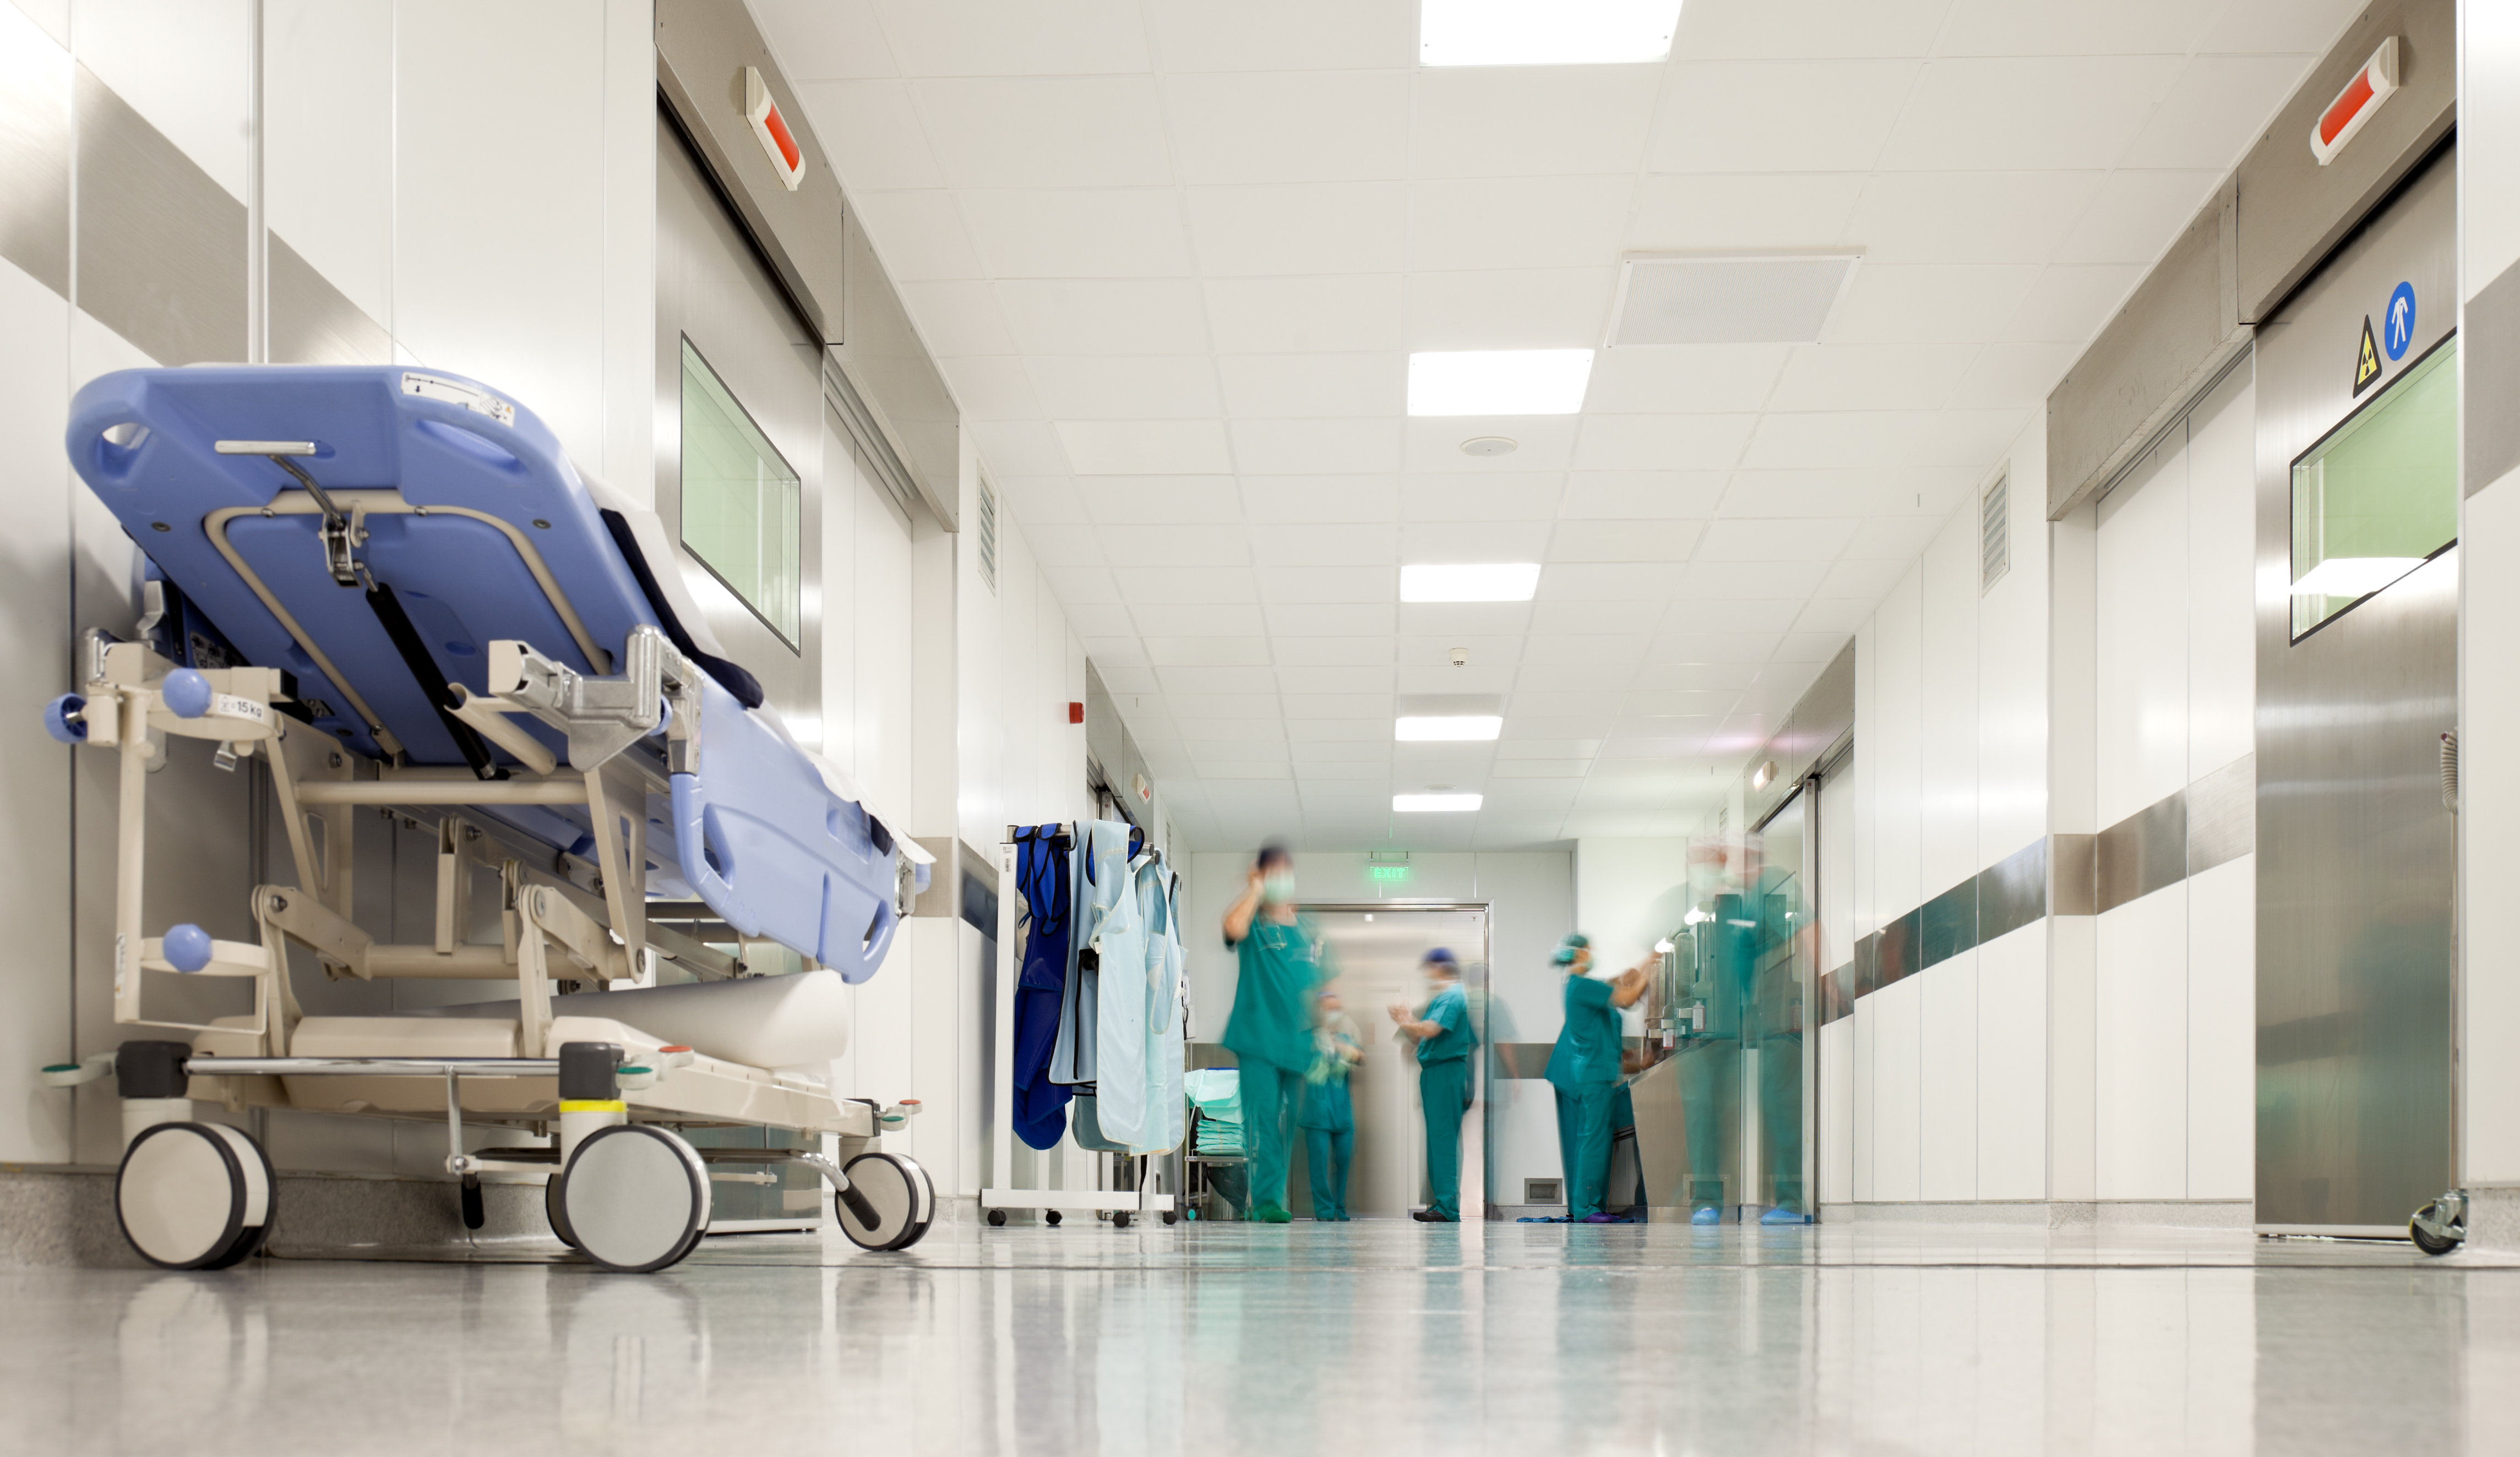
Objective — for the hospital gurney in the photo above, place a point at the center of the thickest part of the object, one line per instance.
(391, 586)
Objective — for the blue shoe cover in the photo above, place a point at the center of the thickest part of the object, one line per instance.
(1709, 1215)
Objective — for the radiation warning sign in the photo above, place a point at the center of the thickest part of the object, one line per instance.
(2366, 360)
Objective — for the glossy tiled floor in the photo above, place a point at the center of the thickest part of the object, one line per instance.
(1376, 1338)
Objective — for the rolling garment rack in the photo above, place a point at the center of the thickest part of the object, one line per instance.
(1001, 1193)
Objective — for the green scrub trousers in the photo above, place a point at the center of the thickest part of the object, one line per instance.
(1444, 1096)
(1328, 1122)
(1269, 1094)
(1588, 1107)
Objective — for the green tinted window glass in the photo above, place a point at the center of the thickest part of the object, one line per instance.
(2374, 500)
(742, 504)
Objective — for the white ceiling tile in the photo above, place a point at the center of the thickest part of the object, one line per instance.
(1848, 493)
(1015, 37)
(1835, 615)
(1145, 499)
(1524, 120)
(1346, 650)
(825, 40)
(1797, 116)
(1662, 442)
(1125, 681)
(1968, 217)
(1337, 705)
(1422, 542)
(1306, 753)
(2029, 114)
(1019, 446)
(991, 386)
(1324, 500)
(1871, 376)
(920, 235)
(1315, 384)
(2008, 27)
(1375, 731)
(1887, 438)
(1122, 652)
(959, 318)
(1126, 547)
(1699, 379)
(1591, 618)
(1146, 447)
(1694, 677)
(1199, 620)
(1734, 614)
(1446, 679)
(1299, 316)
(1516, 308)
(1723, 580)
(1196, 707)
(1077, 585)
(872, 132)
(1893, 538)
(2015, 376)
(1594, 495)
(1209, 681)
(2307, 27)
(1557, 726)
(1713, 647)
(1041, 499)
(1805, 538)
(1749, 30)
(1854, 578)
(1434, 650)
(1309, 229)
(1607, 582)
(1159, 586)
(2135, 216)
(1057, 546)
(2069, 304)
(1078, 232)
(1046, 132)
(1568, 770)
(1274, 546)
(1464, 621)
(1668, 728)
(1346, 782)
(1329, 584)
(1290, 126)
(1207, 652)
(1712, 212)
(1672, 704)
(1094, 316)
(1807, 647)
(1523, 495)
(1307, 679)
(1563, 750)
(1100, 620)
(1200, 35)
(1134, 386)
(1541, 443)
(1223, 766)
(1299, 447)
(1926, 304)
(1625, 541)
(1588, 649)
(1519, 222)
(1330, 619)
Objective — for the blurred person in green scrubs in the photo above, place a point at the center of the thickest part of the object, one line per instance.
(1328, 1118)
(1445, 1043)
(1270, 1030)
(1584, 1069)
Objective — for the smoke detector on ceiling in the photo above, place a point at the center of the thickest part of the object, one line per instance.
(1487, 445)
(1734, 298)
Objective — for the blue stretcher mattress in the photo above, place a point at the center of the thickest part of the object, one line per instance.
(754, 830)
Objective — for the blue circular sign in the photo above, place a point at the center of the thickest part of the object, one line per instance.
(2398, 325)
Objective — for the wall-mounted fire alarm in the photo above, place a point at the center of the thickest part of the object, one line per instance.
(1076, 712)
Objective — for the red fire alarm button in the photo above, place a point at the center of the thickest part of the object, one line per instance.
(1076, 712)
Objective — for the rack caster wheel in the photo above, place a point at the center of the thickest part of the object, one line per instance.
(1170, 1216)
(997, 1218)
(1050, 1217)
(896, 1191)
(634, 1197)
(1120, 1218)
(2435, 1234)
(195, 1196)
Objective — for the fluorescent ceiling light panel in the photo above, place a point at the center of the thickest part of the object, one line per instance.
(1781, 299)
(1545, 33)
(1446, 728)
(1434, 803)
(1499, 381)
(1478, 581)
(2354, 576)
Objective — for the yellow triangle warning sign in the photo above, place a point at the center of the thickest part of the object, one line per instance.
(2366, 362)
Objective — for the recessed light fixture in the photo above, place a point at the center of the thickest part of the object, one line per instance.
(1499, 381)
(1488, 445)
(1434, 803)
(1471, 582)
(1447, 728)
(2337, 576)
(1561, 32)
(1765, 298)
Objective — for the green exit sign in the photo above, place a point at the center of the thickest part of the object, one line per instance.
(1389, 872)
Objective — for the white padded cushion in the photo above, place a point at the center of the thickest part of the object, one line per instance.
(764, 1022)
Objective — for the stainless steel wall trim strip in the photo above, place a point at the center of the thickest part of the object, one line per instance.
(161, 246)
(2074, 874)
(2143, 851)
(1947, 925)
(2012, 893)
(35, 156)
(2223, 814)
(314, 323)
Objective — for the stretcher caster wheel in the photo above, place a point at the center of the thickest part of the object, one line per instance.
(636, 1198)
(1170, 1216)
(893, 1203)
(1050, 1217)
(997, 1218)
(470, 1196)
(556, 1211)
(1120, 1218)
(195, 1196)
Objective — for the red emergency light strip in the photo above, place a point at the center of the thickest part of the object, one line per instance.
(779, 133)
(2330, 125)
(2353, 105)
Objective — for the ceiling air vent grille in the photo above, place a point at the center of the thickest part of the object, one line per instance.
(989, 535)
(1993, 532)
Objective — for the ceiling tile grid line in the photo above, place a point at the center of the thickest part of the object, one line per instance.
(1174, 263)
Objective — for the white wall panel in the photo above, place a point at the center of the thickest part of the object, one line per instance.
(2142, 634)
(1898, 1090)
(1866, 1085)
(1837, 1120)
(1893, 750)
(2012, 626)
(1948, 1090)
(1948, 711)
(2221, 562)
(2488, 824)
(2011, 1104)
(2221, 1031)
(1863, 818)
(328, 142)
(2141, 1029)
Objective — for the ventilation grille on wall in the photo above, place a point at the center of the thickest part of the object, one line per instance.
(1993, 532)
(1542, 1191)
(988, 535)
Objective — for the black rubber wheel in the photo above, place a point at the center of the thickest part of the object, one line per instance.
(1050, 1217)
(896, 1190)
(2425, 1242)
(997, 1216)
(1120, 1218)
(557, 1211)
(637, 1198)
(195, 1196)
(1170, 1216)
(469, 1190)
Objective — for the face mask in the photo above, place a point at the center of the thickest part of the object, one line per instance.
(1278, 887)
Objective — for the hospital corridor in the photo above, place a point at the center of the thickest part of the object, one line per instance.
(1383, 727)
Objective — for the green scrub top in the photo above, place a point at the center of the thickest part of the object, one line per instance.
(1272, 1020)
(1450, 1010)
(1327, 1105)
(1587, 1047)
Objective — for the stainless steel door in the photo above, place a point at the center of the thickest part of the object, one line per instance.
(1375, 954)
(2354, 951)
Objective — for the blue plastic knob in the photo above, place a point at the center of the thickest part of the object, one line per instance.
(187, 693)
(66, 719)
(187, 946)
